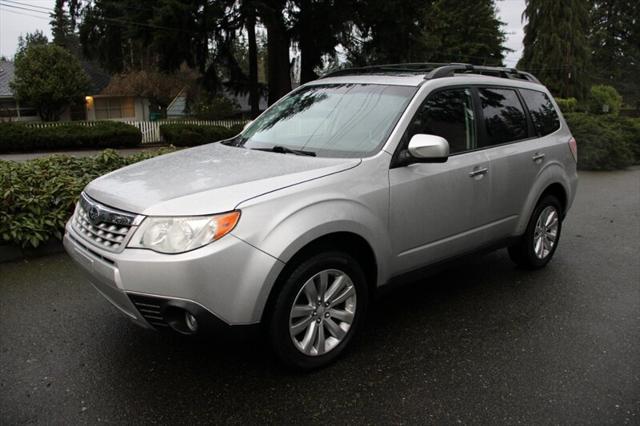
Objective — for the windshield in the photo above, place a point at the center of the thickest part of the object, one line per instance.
(337, 120)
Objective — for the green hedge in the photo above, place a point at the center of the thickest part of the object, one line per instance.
(567, 105)
(37, 197)
(194, 134)
(605, 142)
(19, 137)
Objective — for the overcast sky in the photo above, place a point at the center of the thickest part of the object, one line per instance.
(15, 21)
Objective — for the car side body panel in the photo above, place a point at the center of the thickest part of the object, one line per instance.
(283, 222)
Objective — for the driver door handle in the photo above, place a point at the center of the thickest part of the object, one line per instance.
(478, 171)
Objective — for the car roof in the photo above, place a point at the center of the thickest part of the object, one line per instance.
(419, 79)
(416, 74)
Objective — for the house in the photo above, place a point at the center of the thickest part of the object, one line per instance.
(117, 108)
(100, 106)
(97, 106)
(10, 108)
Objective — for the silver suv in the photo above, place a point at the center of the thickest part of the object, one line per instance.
(347, 183)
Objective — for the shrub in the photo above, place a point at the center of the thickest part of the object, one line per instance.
(194, 134)
(37, 197)
(604, 99)
(18, 137)
(567, 105)
(236, 129)
(49, 78)
(214, 108)
(630, 130)
(603, 143)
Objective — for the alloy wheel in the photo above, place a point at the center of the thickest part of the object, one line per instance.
(546, 232)
(322, 312)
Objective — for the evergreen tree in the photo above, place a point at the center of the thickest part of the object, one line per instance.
(63, 24)
(31, 39)
(49, 78)
(615, 41)
(463, 31)
(556, 48)
(386, 31)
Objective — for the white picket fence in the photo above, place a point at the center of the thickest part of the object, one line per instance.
(150, 129)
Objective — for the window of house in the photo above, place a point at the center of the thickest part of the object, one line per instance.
(449, 114)
(503, 115)
(110, 108)
(543, 114)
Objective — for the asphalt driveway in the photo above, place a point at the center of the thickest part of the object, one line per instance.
(481, 343)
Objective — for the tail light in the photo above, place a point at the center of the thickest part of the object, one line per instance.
(573, 146)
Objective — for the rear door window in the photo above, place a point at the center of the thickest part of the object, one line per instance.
(543, 114)
(503, 115)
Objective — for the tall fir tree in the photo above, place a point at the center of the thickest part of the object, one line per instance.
(63, 24)
(556, 47)
(615, 41)
(463, 31)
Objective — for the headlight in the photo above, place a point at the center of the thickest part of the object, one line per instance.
(180, 234)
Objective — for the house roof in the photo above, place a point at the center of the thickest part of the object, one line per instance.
(6, 75)
(98, 78)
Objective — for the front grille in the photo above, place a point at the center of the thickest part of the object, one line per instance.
(150, 308)
(102, 226)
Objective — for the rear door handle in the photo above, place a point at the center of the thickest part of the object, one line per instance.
(537, 156)
(478, 171)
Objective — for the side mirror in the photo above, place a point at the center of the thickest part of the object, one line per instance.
(426, 149)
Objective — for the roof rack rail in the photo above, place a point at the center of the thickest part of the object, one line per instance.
(451, 69)
(409, 68)
(436, 70)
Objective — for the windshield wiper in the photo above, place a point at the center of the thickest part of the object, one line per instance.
(284, 150)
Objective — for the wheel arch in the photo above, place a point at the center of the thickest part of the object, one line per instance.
(555, 182)
(349, 242)
(558, 191)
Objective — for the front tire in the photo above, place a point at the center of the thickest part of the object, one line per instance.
(318, 310)
(536, 247)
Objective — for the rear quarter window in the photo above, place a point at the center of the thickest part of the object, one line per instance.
(543, 114)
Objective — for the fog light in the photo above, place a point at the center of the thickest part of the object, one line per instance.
(191, 322)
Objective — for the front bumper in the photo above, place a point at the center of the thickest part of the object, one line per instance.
(227, 281)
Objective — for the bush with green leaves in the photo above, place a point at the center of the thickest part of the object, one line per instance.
(37, 197)
(567, 105)
(214, 108)
(195, 134)
(49, 78)
(605, 142)
(604, 99)
(19, 137)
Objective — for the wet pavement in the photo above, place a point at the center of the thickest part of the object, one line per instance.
(482, 342)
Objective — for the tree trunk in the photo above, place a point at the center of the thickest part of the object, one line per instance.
(254, 96)
(309, 53)
(309, 57)
(278, 55)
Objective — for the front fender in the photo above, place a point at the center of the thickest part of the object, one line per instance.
(282, 228)
(284, 234)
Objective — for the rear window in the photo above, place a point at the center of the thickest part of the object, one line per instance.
(503, 114)
(543, 114)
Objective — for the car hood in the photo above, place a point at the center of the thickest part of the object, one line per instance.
(208, 179)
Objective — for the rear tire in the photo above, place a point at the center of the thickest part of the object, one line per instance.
(318, 310)
(535, 248)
